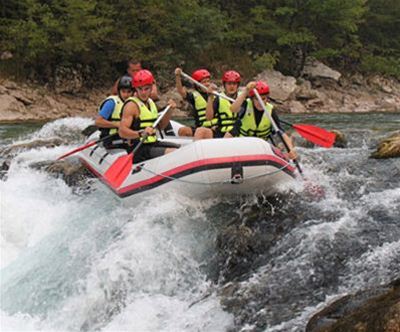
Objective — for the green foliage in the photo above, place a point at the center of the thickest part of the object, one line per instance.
(380, 65)
(100, 35)
(266, 61)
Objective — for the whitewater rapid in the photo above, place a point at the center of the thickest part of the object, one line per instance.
(76, 260)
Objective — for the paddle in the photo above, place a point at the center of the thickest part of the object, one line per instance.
(204, 87)
(120, 169)
(276, 128)
(314, 134)
(83, 147)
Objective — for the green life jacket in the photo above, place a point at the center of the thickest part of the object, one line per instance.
(147, 117)
(200, 105)
(248, 122)
(115, 115)
(226, 118)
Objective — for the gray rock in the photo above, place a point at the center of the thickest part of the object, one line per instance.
(11, 109)
(74, 174)
(5, 166)
(295, 106)
(316, 69)
(17, 94)
(48, 143)
(182, 107)
(305, 91)
(281, 87)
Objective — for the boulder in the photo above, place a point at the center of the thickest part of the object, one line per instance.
(48, 143)
(182, 107)
(316, 69)
(11, 109)
(384, 84)
(235, 249)
(281, 87)
(74, 174)
(376, 309)
(17, 94)
(388, 147)
(305, 91)
(5, 166)
(295, 106)
(340, 140)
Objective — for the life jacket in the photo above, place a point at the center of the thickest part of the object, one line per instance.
(248, 122)
(147, 117)
(115, 115)
(200, 105)
(226, 118)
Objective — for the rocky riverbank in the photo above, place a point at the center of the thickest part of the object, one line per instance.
(376, 309)
(319, 89)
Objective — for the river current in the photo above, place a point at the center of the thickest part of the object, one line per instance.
(79, 259)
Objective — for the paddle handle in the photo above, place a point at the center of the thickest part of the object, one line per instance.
(155, 124)
(276, 128)
(88, 145)
(215, 93)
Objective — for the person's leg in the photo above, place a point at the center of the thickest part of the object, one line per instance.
(185, 131)
(158, 149)
(203, 133)
(169, 150)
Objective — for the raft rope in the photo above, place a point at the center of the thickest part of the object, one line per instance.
(231, 180)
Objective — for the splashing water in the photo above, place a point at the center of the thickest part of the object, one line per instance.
(87, 262)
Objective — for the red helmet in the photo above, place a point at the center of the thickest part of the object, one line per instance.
(201, 74)
(142, 77)
(261, 87)
(231, 76)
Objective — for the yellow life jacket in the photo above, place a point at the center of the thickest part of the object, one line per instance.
(226, 118)
(200, 105)
(147, 117)
(115, 115)
(248, 122)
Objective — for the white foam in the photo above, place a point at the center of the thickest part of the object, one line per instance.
(373, 267)
(19, 322)
(31, 204)
(63, 127)
(163, 313)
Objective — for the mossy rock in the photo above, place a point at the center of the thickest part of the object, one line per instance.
(388, 147)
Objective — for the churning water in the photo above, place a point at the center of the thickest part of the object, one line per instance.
(75, 260)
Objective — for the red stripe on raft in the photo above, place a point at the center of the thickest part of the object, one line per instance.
(204, 162)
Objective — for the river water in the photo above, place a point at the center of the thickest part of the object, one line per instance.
(78, 259)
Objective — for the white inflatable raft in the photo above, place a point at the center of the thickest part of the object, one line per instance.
(202, 168)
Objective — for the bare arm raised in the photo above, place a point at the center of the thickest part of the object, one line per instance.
(178, 79)
(235, 107)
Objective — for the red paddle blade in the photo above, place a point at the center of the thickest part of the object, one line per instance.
(119, 170)
(316, 135)
(83, 147)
